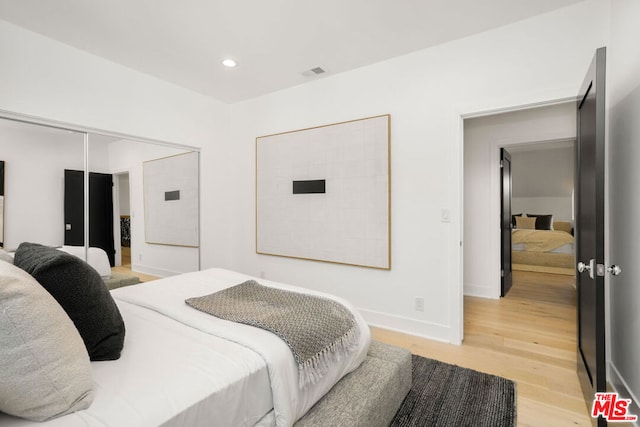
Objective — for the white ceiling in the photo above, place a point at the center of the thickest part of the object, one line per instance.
(273, 41)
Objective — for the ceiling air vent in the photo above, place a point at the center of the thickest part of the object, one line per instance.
(313, 72)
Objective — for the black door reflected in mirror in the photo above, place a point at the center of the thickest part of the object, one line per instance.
(1, 203)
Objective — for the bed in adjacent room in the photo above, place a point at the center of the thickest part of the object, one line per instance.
(543, 248)
(183, 367)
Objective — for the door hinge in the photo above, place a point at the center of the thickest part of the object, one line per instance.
(501, 164)
(501, 273)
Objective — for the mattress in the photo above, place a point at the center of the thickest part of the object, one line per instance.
(182, 367)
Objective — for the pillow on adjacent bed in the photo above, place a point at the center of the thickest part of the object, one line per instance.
(562, 226)
(543, 222)
(525, 223)
(44, 365)
(79, 289)
(513, 219)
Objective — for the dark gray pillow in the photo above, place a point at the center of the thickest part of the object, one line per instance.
(543, 222)
(80, 291)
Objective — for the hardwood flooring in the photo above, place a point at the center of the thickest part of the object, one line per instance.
(126, 267)
(529, 336)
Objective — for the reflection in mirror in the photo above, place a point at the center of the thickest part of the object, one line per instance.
(34, 182)
(1, 203)
(46, 202)
(121, 161)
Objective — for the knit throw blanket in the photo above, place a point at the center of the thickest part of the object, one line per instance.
(317, 330)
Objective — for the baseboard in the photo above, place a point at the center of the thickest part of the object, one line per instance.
(408, 326)
(480, 291)
(619, 385)
(153, 271)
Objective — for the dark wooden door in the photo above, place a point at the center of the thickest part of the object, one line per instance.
(589, 207)
(100, 211)
(505, 221)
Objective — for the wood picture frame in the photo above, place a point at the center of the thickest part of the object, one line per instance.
(344, 216)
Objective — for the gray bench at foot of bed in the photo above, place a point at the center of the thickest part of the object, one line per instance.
(118, 280)
(369, 396)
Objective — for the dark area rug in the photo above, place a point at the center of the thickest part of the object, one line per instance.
(449, 395)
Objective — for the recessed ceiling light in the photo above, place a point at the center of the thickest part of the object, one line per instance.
(229, 63)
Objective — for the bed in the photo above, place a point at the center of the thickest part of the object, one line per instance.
(548, 251)
(182, 367)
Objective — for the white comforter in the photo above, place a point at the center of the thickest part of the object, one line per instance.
(181, 367)
(289, 402)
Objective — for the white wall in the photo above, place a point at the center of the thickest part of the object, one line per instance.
(44, 78)
(543, 176)
(559, 207)
(483, 138)
(35, 160)
(425, 93)
(623, 210)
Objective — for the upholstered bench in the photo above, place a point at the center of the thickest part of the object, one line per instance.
(369, 396)
(118, 280)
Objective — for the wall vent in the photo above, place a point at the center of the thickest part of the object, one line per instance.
(313, 72)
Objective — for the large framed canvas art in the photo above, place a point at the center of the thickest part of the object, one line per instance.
(323, 193)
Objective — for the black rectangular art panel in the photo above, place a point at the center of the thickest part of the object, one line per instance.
(309, 187)
(172, 195)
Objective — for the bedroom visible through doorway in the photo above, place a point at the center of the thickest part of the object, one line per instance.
(542, 225)
(527, 134)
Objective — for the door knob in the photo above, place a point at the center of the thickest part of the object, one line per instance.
(588, 267)
(583, 267)
(614, 270)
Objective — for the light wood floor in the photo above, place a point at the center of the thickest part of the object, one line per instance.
(529, 337)
(125, 268)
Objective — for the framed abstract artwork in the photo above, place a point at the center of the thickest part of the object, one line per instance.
(323, 193)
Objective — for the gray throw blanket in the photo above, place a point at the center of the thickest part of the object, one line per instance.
(317, 330)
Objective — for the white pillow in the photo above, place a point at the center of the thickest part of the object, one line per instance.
(44, 365)
(98, 258)
(5, 256)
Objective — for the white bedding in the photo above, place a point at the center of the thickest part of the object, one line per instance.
(182, 367)
(98, 258)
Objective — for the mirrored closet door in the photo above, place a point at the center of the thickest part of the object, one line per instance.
(45, 198)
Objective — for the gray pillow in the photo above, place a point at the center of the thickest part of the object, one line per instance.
(44, 365)
(80, 291)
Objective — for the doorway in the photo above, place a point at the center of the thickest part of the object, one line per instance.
(122, 218)
(483, 138)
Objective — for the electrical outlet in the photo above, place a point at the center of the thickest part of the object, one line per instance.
(445, 215)
(419, 304)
